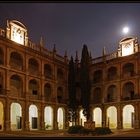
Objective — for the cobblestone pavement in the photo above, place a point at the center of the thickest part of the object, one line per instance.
(61, 134)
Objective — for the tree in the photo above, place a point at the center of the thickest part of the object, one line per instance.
(72, 91)
(85, 81)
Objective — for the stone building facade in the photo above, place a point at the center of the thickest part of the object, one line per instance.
(34, 84)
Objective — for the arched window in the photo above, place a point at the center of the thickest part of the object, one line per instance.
(47, 71)
(60, 94)
(128, 91)
(111, 93)
(33, 66)
(128, 70)
(47, 92)
(112, 73)
(16, 61)
(97, 76)
(33, 87)
(16, 86)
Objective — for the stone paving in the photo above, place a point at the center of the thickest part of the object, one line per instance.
(131, 133)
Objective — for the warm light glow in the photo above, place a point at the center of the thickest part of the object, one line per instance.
(17, 35)
(128, 117)
(15, 113)
(33, 112)
(48, 117)
(97, 117)
(112, 117)
(60, 118)
(125, 30)
(1, 116)
(127, 49)
(82, 118)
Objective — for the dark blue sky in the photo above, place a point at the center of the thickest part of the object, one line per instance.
(70, 25)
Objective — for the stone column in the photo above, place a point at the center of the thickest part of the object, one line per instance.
(119, 117)
(7, 115)
(136, 125)
(103, 116)
(26, 115)
(55, 123)
(42, 122)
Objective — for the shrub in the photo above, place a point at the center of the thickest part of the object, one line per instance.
(75, 129)
(85, 131)
(103, 130)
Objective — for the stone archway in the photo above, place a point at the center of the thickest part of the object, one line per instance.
(128, 116)
(48, 117)
(112, 117)
(97, 117)
(33, 117)
(1, 117)
(16, 116)
(60, 118)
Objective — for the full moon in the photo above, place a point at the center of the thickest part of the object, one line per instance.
(125, 30)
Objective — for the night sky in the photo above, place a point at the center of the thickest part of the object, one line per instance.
(70, 25)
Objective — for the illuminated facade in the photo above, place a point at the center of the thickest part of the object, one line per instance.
(34, 85)
(33, 82)
(115, 94)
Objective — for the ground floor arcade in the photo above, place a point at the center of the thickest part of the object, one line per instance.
(18, 115)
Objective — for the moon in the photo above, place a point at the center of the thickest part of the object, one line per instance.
(125, 30)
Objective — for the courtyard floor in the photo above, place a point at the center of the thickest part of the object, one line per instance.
(128, 133)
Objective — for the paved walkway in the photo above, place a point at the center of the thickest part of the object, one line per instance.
(129, 133)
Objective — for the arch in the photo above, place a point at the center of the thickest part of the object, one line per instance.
(47, 92)
(97, 117)
(112, 73)
(128, 91)
(1, 117)
(1, 56)
(33, 117)
(16, 84)
(16, 116)
(33, 87)
(18, 23)
(128, 116)
(48, 117)
(33, 66)
(112, 117)
(16, 60)
(48, 71)
(96, 97)
(98, 76)
(60, 94)
(82, 118)
(126, 39)
(128, 69)
(111, 93)
(60, 118)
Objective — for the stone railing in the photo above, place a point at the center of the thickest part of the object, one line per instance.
(105, 58)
